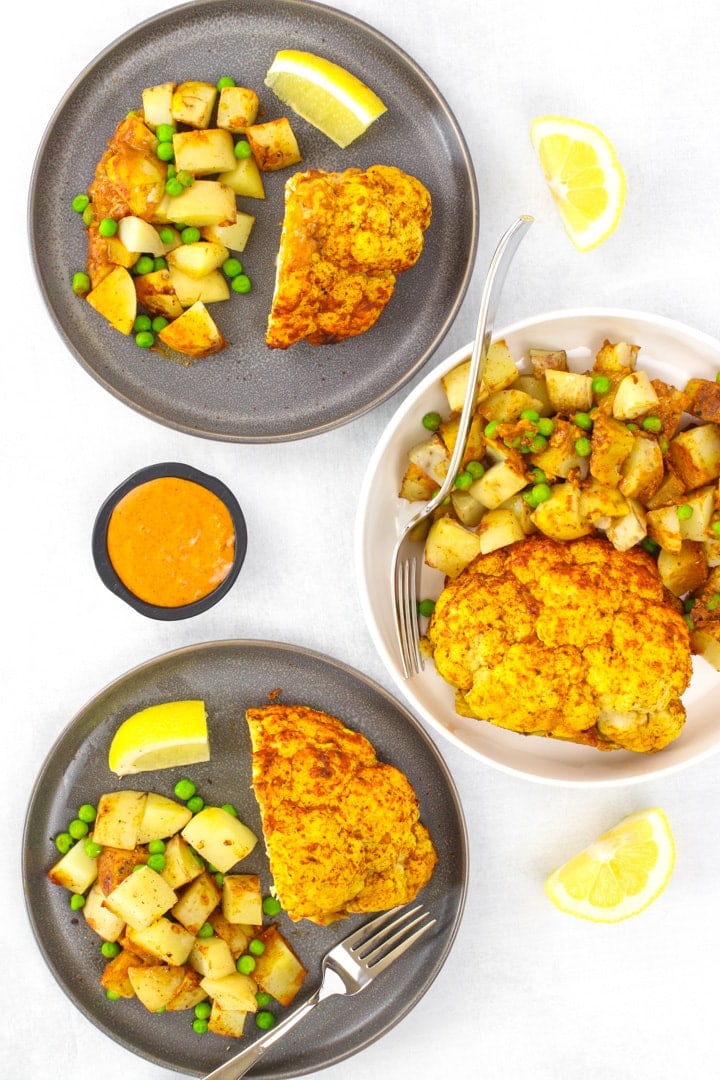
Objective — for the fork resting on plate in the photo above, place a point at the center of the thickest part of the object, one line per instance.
(408, 552)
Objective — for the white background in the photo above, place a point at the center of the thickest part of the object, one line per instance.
(527, 992)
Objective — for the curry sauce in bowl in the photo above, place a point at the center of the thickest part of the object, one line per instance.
(170, 541)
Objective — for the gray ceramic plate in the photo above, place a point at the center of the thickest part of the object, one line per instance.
(232, 676)
(249, 393)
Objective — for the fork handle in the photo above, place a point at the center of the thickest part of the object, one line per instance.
(238, 1065)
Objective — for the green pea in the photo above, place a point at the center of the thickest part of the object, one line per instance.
(263, 998)
(144, 265)
(232, 267)
(652, 423)
(159, 323)
(184, 789)
(80, 203)
(165, 132)
(241, 284)
(167, 235)
(156, 847)
(242, 149)
(77, 902)
(583, 447)
(195, 804)
(651, 546)
(63, 842)
(664, 445)
(206, 931)
(92, 850)
(157, 862)
(583, 420)
(717, 377)
(112, 995)
(714, 602)
(689, 622)
(715, 528)
(271, 906)
(145, 339)
(165, 151)
(88, 216)
(190, 235)
(78, 829)
(538, 444)
(202, 1010)
(546, 426)
(142, 322)
(173, 187)
(186, 178)
(600, 384)
(432, 421)
(199, 1026)
(426, 608)
(256, 947)
(109, 949)
(81, 283)
(476, 469)
(264, 1020)
(537, 475)
(230, 809)
(689, 604)
(463, 480)
(171, 172)
(87, 812)
(246, 964)
(159, 262)
(684, 512)
(530, 414)
(226, 80)
(538, 493)
(108, 226)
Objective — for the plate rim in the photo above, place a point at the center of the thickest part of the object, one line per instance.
(298, 432)
(342, 668)
(416, 393)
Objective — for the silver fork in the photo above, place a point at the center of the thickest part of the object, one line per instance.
(347, 968)
(408, 552)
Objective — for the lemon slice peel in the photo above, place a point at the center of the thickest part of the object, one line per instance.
(621, 873)
(162, 736)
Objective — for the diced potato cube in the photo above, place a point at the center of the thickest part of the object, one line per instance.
(234, 934)
(230, 1023)
(162, 817)
(598, 500)
(188, 994)
(119, 814)
(643, 469)
(499, 528)
(75, 870)
(181, 863)
(278, 970)
(219, 837)
(450, 547)
(237, 108)
(206, 202)
(163, 939)
(663, 526)
(432, 457)
(236, 991)
(560, 458)
(683, 570)
(139, 236)
(196, 901)
(242, 899)
(234, 237)
(568, 391)
(273, 144)
(537, 389)
(156, 293)
(466, 508)
(115, 977)
(114, 298)
(192, 103)
(704, 399)
(701, 504)
(706, 643)
(245, 179)
(620, 357)
(695, 453)
(499, 370)
(498, 483)
(210, 289)
(155, 984)
(157, 104)
(560, 516)
(634, 396)
(506, 405)
(611, 444)
(672, 404)
(543, 360)
(204, 152)
(114, 865)
(416, 485)
(141, 898)
(99, 918)
(212, 957)
(194, 333)
(198, 259)
(624, 532)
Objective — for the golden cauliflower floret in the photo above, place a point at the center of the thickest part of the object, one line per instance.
(574, 640)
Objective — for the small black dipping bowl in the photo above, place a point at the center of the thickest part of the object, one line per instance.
(106, 569)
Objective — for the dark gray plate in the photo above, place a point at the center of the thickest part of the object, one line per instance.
(249, 393)
(232, 676)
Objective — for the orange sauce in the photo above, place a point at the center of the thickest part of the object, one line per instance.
(171, 541)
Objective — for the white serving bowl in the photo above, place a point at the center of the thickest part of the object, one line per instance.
(668, 350)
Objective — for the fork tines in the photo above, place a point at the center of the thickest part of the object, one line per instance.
(408, 617)
(375, 952)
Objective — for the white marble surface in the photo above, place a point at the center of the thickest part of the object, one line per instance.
(527, 992)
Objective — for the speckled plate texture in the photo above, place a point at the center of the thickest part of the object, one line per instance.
(231, 676)
(247, 392)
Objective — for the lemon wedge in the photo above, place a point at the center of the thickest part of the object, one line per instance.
(584, 175)
(325, 94)
(160, 737)
(620, 874)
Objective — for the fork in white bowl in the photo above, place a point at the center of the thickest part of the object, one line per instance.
(408, 552)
